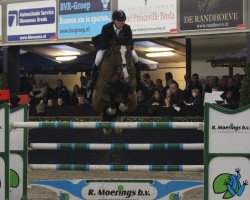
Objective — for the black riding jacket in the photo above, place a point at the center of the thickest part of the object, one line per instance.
(108, 35)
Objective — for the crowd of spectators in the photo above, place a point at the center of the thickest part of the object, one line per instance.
(149, 93)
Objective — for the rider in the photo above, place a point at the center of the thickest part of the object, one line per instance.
(116, 30)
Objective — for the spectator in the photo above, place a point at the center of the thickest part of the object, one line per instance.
(194, 84)
(50, 102)
(187, 78)
(50, 92)
(169, 80)
(38, 92)
(75, 94)
(145, 80)
(223, 83)
(141, 98)
(229, 99)
(62, 92)
(195, 99)
(157, 99)
(237, 81)
(176, 98)
(159, 87)
(25, 86)
(231, 86)
(150, 89)
(60, 102)
(82, 100)
(167, 98)
(40, 107)
(209, 85)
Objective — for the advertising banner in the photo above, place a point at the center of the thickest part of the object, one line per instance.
(150, 16)
(31, 21)
(1, 33)
(119, 189)
(210, 14)
(227, 152)
(82, 18)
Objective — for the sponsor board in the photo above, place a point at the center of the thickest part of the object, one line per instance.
(31, 21)
(210, 14)
(150, 16)
(227, 153)
(119, 189)
(82, 18)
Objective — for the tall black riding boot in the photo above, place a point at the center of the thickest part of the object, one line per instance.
(138, 76)
(94, 75)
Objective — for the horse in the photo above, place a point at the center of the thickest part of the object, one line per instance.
(115, 88)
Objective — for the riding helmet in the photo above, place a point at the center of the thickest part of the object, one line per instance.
(119, 15)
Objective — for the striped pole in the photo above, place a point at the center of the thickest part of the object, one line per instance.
(115, 146)
(113, 125)
(80, 167)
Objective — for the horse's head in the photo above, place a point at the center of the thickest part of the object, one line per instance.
(123, 62)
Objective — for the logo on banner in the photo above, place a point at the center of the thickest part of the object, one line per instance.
(175, 196)
(27, 17)
(208, 5)
(105, 4)
(229, 184)
(63, 196)
(13, 16)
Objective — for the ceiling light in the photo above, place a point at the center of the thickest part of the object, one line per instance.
(153, 49)
(160, 54)
(65, 58)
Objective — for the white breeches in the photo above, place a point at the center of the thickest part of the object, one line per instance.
(100, 53)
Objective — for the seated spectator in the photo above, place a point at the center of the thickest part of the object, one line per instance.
(75, 94)
(157, 99)
(141, 98)
(62, 92)
(167, 98)
(40, 107)
(194, 84)
(195, 99)
(176, 98)
(38, 92)
(82, 100)
(60, 102)
(229, 99)
(50, 102)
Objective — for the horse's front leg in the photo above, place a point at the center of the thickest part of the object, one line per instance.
(130, 104)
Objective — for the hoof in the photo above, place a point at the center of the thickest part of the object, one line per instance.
(118, 130)
(107, 131)
(111, 111)
(123, 107)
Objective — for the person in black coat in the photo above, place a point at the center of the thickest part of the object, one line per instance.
(116, 30)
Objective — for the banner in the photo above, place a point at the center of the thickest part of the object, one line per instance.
(210, 14)
(119, 189)
(31, 21)
(1, 33)
(82, 18)
(227, 153)
(150, 16)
